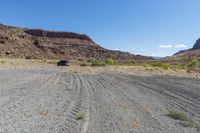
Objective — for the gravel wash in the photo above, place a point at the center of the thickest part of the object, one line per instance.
(57, 101)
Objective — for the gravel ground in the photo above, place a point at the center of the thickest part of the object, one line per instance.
(57, 101)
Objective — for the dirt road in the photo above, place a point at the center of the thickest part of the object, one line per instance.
(54, 100)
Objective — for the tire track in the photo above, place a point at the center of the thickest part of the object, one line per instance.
(50, 100)
(173, 97)
(176, 96)
(74, 107)
(88, 107)
(147, 117)
(99, 111)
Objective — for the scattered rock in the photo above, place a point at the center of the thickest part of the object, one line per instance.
(2, 42)
(7, 52)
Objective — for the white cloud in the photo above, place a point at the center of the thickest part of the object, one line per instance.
(117, 49)
(165, 46)
(173, 46)
(181, 46)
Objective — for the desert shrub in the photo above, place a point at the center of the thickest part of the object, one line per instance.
(181, 66)
(28, 57)
(98, 63)
(189, 124)
(185, 120)
(189, 71)
(3, 62)
(109, 61)
(197, 127)
(166, 66)
(80, 59)
(194, 64)
(80, 116)
(129, 62)
(179, 116)
(145, 65)
(156, 64)
(161, 64)
(91, 60)
(83, 64)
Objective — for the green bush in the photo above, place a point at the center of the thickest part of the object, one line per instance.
(130, 62)
(179, 116)
(156, 64)
(166, 66)
(80, 59)
(194, 64)
(98, 63)
(91, 60)
(161, 64)
(83, 64)
(80, 116)
(111, 61)
(145, 65)
(181, 66)
(116, 62)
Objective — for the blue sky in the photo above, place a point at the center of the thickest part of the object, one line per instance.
(149, 27)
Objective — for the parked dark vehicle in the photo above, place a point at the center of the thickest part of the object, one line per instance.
(63, 63)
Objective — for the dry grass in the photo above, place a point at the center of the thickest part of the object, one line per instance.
(76, 68)
(133, 69)
(23, 63)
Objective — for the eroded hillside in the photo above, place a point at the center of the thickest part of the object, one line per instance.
(42, 44)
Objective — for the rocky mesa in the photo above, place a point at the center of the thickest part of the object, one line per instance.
(42, 44)
(187, 55)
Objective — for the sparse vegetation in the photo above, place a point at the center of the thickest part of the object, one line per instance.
(180, 66)
(194, 65)
(81, 60)
(80, 116)
(197, 126)
(52, 61)
(129, 63)
(191, 65)
(145, 65)
(98, 63)
(83, 64)
(111, 61)
(179, 116)
(91, 60)
(189, 124)
(161, 65)
(185, 120)
(28, 57)
(2, 62)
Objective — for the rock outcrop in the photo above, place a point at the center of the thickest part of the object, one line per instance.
(197, 45)
(54, 34)
(41, 44)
